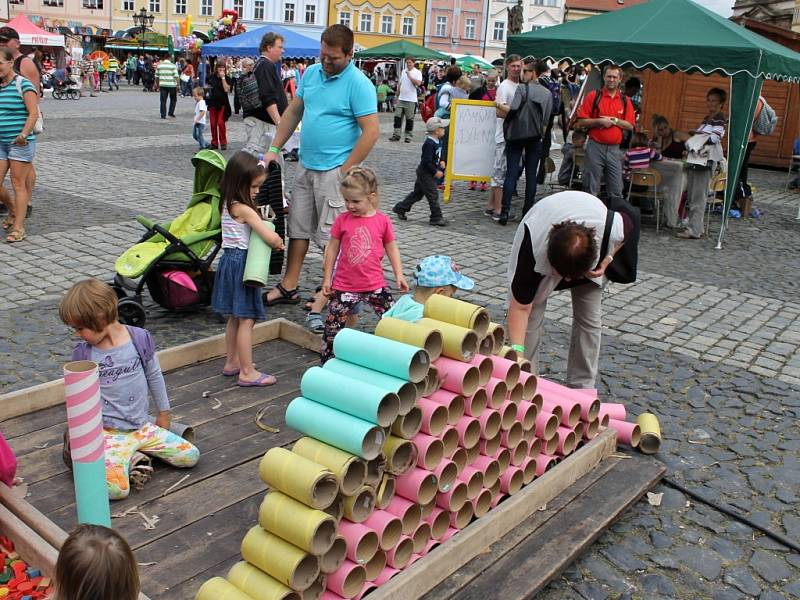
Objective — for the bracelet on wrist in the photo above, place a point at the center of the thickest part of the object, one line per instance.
(274, 149)
(518, 348)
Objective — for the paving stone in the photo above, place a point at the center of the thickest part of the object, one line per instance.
(706, 562)
(742, 580)
(770, 567)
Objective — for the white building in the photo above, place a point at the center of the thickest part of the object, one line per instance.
(306, 17)
(536, 13)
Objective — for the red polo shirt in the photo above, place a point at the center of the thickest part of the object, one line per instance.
(609, 106)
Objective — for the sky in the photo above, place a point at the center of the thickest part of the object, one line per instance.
(722, 7)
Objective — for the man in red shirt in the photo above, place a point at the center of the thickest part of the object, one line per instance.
(605, 118)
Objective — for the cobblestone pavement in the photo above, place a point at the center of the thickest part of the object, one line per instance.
(707, 339)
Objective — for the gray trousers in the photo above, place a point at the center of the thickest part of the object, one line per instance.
(584, 342)
(603, 160)
(404, 108)
(696, 197)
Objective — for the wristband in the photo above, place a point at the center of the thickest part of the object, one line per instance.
(518, 348)
(274, 149)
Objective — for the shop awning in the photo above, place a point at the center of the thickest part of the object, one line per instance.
(31, 35)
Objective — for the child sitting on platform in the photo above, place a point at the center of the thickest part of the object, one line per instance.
(129, 373)
(435, 275)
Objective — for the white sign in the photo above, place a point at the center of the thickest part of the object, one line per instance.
(471, 147)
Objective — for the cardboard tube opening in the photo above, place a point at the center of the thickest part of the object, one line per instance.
(401, 554)
(537, 400)
(315, 590)
(80, 366)
(374, 470)
(499, 334)
(439, 522)
(550, 446)
(428, 489)
(528, 470)
(546, 425)
(334, 557)
(484, 366)
(579, 429)
(636, 437)
(490, 421)
(426, 509)
(476, 404)
(388, 409)
(336, 509)
(574, 415)
(508, 415)
(489, 446)
(649, 443)
(473, 452)
(418, 366)
(534, 447)
(497, 393)
(512, 375)
(470, 434)
(400, 458)
(455, 410)
(325, 491)
(437, 420)
(446, 474)
(474, 480)
(367, 547)
(357, 508)
(511, 482)
(372, 443)
(508, 353)
(434, 343)
(486, 346)
(526, 414)
(471, 380)
(503, 458)
(590, 431)
(491, 473)
(462, 516)
(569, 443)
(450, 440)
(519, 453)
(516, 392)
(375, 565)
(305, 572)
(431, 381)
(411, 518)
(323, 538)
(430, 456)
(391, 534)
(353, 476)
(482, 502)
(407, 393)
(481, 322)
(408, 425)
(604, 419)
(454, 498)
(421, 536)
(354, 581)
(459, 457)
(512, 436)
(525, 365)
(528, 386)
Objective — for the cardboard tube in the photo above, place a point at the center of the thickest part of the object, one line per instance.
(570, 407)
(490, 446)
(333, 558)
(566, 440)
(485, 345)
(446, 472)
(434, 416)
(439, 520)
(451, 531)
(457, 312)
(519, 453)
(375, 565)
(421, 335)
(334, 427)
(400, 454)
(431, 382)
(405, 390)
(627, 433)
(546, 424)
(529, 435)
(528, 467)
(484, 366)
(475, 405)
(367, 588)
(458, 377)
(604, 419)
(460, 457)
(512, 436)
(511, 480)
(508, 353)
(508, 414)
(496, 390)
(347, 580)
(525, 365)
(362, 542)
(591, 429)
(359, 506)
(474, 480)
(387, 526)
(505, 369)
(469, 431)
(87, 442)
(375, 469)
(278, 558)
(454, 498)
(430, 451)
(385, 575)
(385, 491)
(296, 476)
(526, 415)
(458, 343)
(472, 453)
(311, 530)
(421, 536)
(614, 410)
(489, 467)
(550, 446)
(499, 333)
(432, 543)
(461, 517)
(578, 431)
(544, 462)
(650, 438)
(417, 485)
(490, 422)
(349, 469)
(453, 402)
(482, 502)
(590, 407)
(409, 513)
(538, 401)
(258, 585)
(399, 556)
(503, 457)
(217, 588)
(534, 447)
(408, 425)
(528, 382)
(387, 356)
(515, 393)
(336, 509)
(449, 438)
(426, 509)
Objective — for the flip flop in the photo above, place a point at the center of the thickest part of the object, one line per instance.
(230, 372)
(265, 380)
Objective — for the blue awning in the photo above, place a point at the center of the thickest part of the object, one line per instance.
(246, 44)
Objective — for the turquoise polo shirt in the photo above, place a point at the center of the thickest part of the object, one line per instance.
(331, 106)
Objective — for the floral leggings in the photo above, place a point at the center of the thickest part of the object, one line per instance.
(122, 444)
(340, 307)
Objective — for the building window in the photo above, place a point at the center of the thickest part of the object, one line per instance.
(93, 4)
(499, 32)
(46, 2)
(545, 2)
(258, 10)
(238, 6)
(408, 25)
(155, 6)
(366, 22)
(441, 27)
(288, 12)
(206, 8)
(469, 29)
(127, 5)
(180, 7)
(311, 14)
(387, 24)
(344, 18)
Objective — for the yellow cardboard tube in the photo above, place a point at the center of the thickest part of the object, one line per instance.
(258, 585)
(349, 469)
(278, 558)
(400, 454)
(459, 343)
(296, 476)
(307, 528)
(498, 332)
(359, 506)
(414, 334)
(650, 440)
(217, 588)
(457, 312)
(509, 353)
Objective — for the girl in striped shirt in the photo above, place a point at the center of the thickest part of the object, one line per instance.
(639, 155)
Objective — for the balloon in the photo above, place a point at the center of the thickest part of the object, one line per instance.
(184, 28)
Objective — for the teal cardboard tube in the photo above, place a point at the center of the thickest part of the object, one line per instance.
(256, 267)
(336, 428)
(91, 492)
(351, 396)
(405, 390)
(382, 354)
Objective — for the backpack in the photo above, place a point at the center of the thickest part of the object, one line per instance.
(526, 122)
(142, 342)
(428, 107)
(767, 120)
(249, 93)
(555, 91)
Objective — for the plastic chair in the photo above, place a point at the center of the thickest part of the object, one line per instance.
(794, 162)
(578, 158)
(718, 184)
(648, 178)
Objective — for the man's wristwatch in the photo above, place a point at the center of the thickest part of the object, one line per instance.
(615, 120)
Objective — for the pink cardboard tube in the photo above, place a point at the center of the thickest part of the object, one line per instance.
(474, 480)
(482, 502)
(489, 446)
(454, 498)
(537, 400)
(430, 450)
(528, 467)
(528, 382)
(408, 511)
(345, 578)
(590, 407)
(368, 587)
(526, 414)
(496, 391)
(534, 447)
(578, 429)
(546, 424)
(414, 558)
(519, 453)
(490, 469)
(511, 436)
(503, 457)
(360, 540)
(449, 438)
(329, 595)
(387, 526)
(399, 556)
(588, 392)
(453, 401)
(515, 393)
(475, 405)
(627, 433)
(451, 531)
(614, 410)
(386, 575)
(490, 422)
(461, 518)
(469, 431)
(484, 366)
(566, 440)
(459, 377)
(417, 485)
(508, 414)
(460, 458)
(497, 499)
(591, 429)
(439, 520)
(544, 462)
(603, 419)
(507, 370)
(432, 543)
(511, 480)
(446, 472)
(434, 416)
(570, 410)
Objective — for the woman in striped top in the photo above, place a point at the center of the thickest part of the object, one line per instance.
(19, 102)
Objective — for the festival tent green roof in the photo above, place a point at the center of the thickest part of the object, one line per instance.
(401, 49)
(675, 35)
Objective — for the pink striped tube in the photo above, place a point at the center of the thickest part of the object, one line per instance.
(459, 377)
(614, 410)
(490, 469)
(453, 401)
(496, 391)
(511, 480)
(526, 415)
(627, 433)
(490, 422)
(434, 416)
(507, 370)
(544, 462)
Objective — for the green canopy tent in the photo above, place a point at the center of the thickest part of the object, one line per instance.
(400, 50)
(675, 35)
(465, 62)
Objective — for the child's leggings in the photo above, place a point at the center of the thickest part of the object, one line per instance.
(340, 307)
(122, 444)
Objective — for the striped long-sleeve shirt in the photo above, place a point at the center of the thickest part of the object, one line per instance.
(167, 74)
(639, 158)
(714, 127)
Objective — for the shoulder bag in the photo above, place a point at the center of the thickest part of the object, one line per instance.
(623, 268)
(525, 122)
(38, 127)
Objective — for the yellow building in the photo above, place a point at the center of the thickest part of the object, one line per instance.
(376, 24)
(167, 13)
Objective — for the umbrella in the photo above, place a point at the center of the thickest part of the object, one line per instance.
(401, 49)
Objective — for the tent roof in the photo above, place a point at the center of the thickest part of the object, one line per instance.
(663, 34)
(31, 35)
(402, 49)
(246, 44)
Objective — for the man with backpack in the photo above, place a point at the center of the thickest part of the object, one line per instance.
(605, 113)
(262, 96)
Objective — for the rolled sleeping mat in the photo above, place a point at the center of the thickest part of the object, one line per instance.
(334, 427)
(350, 470)
(296, 476)
(258, 585)
(278, 558)
(457, 312)
(360, 505)
(377, 353)
(458, 343)
(179, 429)
(650, 433)
(421, 335)
(217, 588)
(256, 266)
(405, 390)
(307, 528)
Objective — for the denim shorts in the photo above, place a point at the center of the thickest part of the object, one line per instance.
(11, 151)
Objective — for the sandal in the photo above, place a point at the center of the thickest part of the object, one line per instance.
(314, 322)
(8, 223)
(309, 302)
(264, 380)
(16, 235)
(286, 297)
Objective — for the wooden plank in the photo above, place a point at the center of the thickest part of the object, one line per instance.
(45, 528)
(31, 547)
(526, 569)
(187, 590)
(450, 556)
(297, 334)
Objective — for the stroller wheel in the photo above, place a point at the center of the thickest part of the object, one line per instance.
(131, 312)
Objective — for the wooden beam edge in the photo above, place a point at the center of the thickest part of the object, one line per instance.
(447, 558)
(28, 514)
(29, 545)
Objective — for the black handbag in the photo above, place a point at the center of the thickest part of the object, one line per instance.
(623, 268)
(524, 123)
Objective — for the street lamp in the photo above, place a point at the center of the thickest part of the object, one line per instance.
(143, 21)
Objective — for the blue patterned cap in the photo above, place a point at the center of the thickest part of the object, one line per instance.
(438, 271)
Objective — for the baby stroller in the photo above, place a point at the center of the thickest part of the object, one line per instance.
(64, 86)
(174, 259)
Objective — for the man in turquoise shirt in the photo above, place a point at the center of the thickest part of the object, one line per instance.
(336, 103)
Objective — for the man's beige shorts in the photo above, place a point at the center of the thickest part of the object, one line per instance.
(316, 202)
